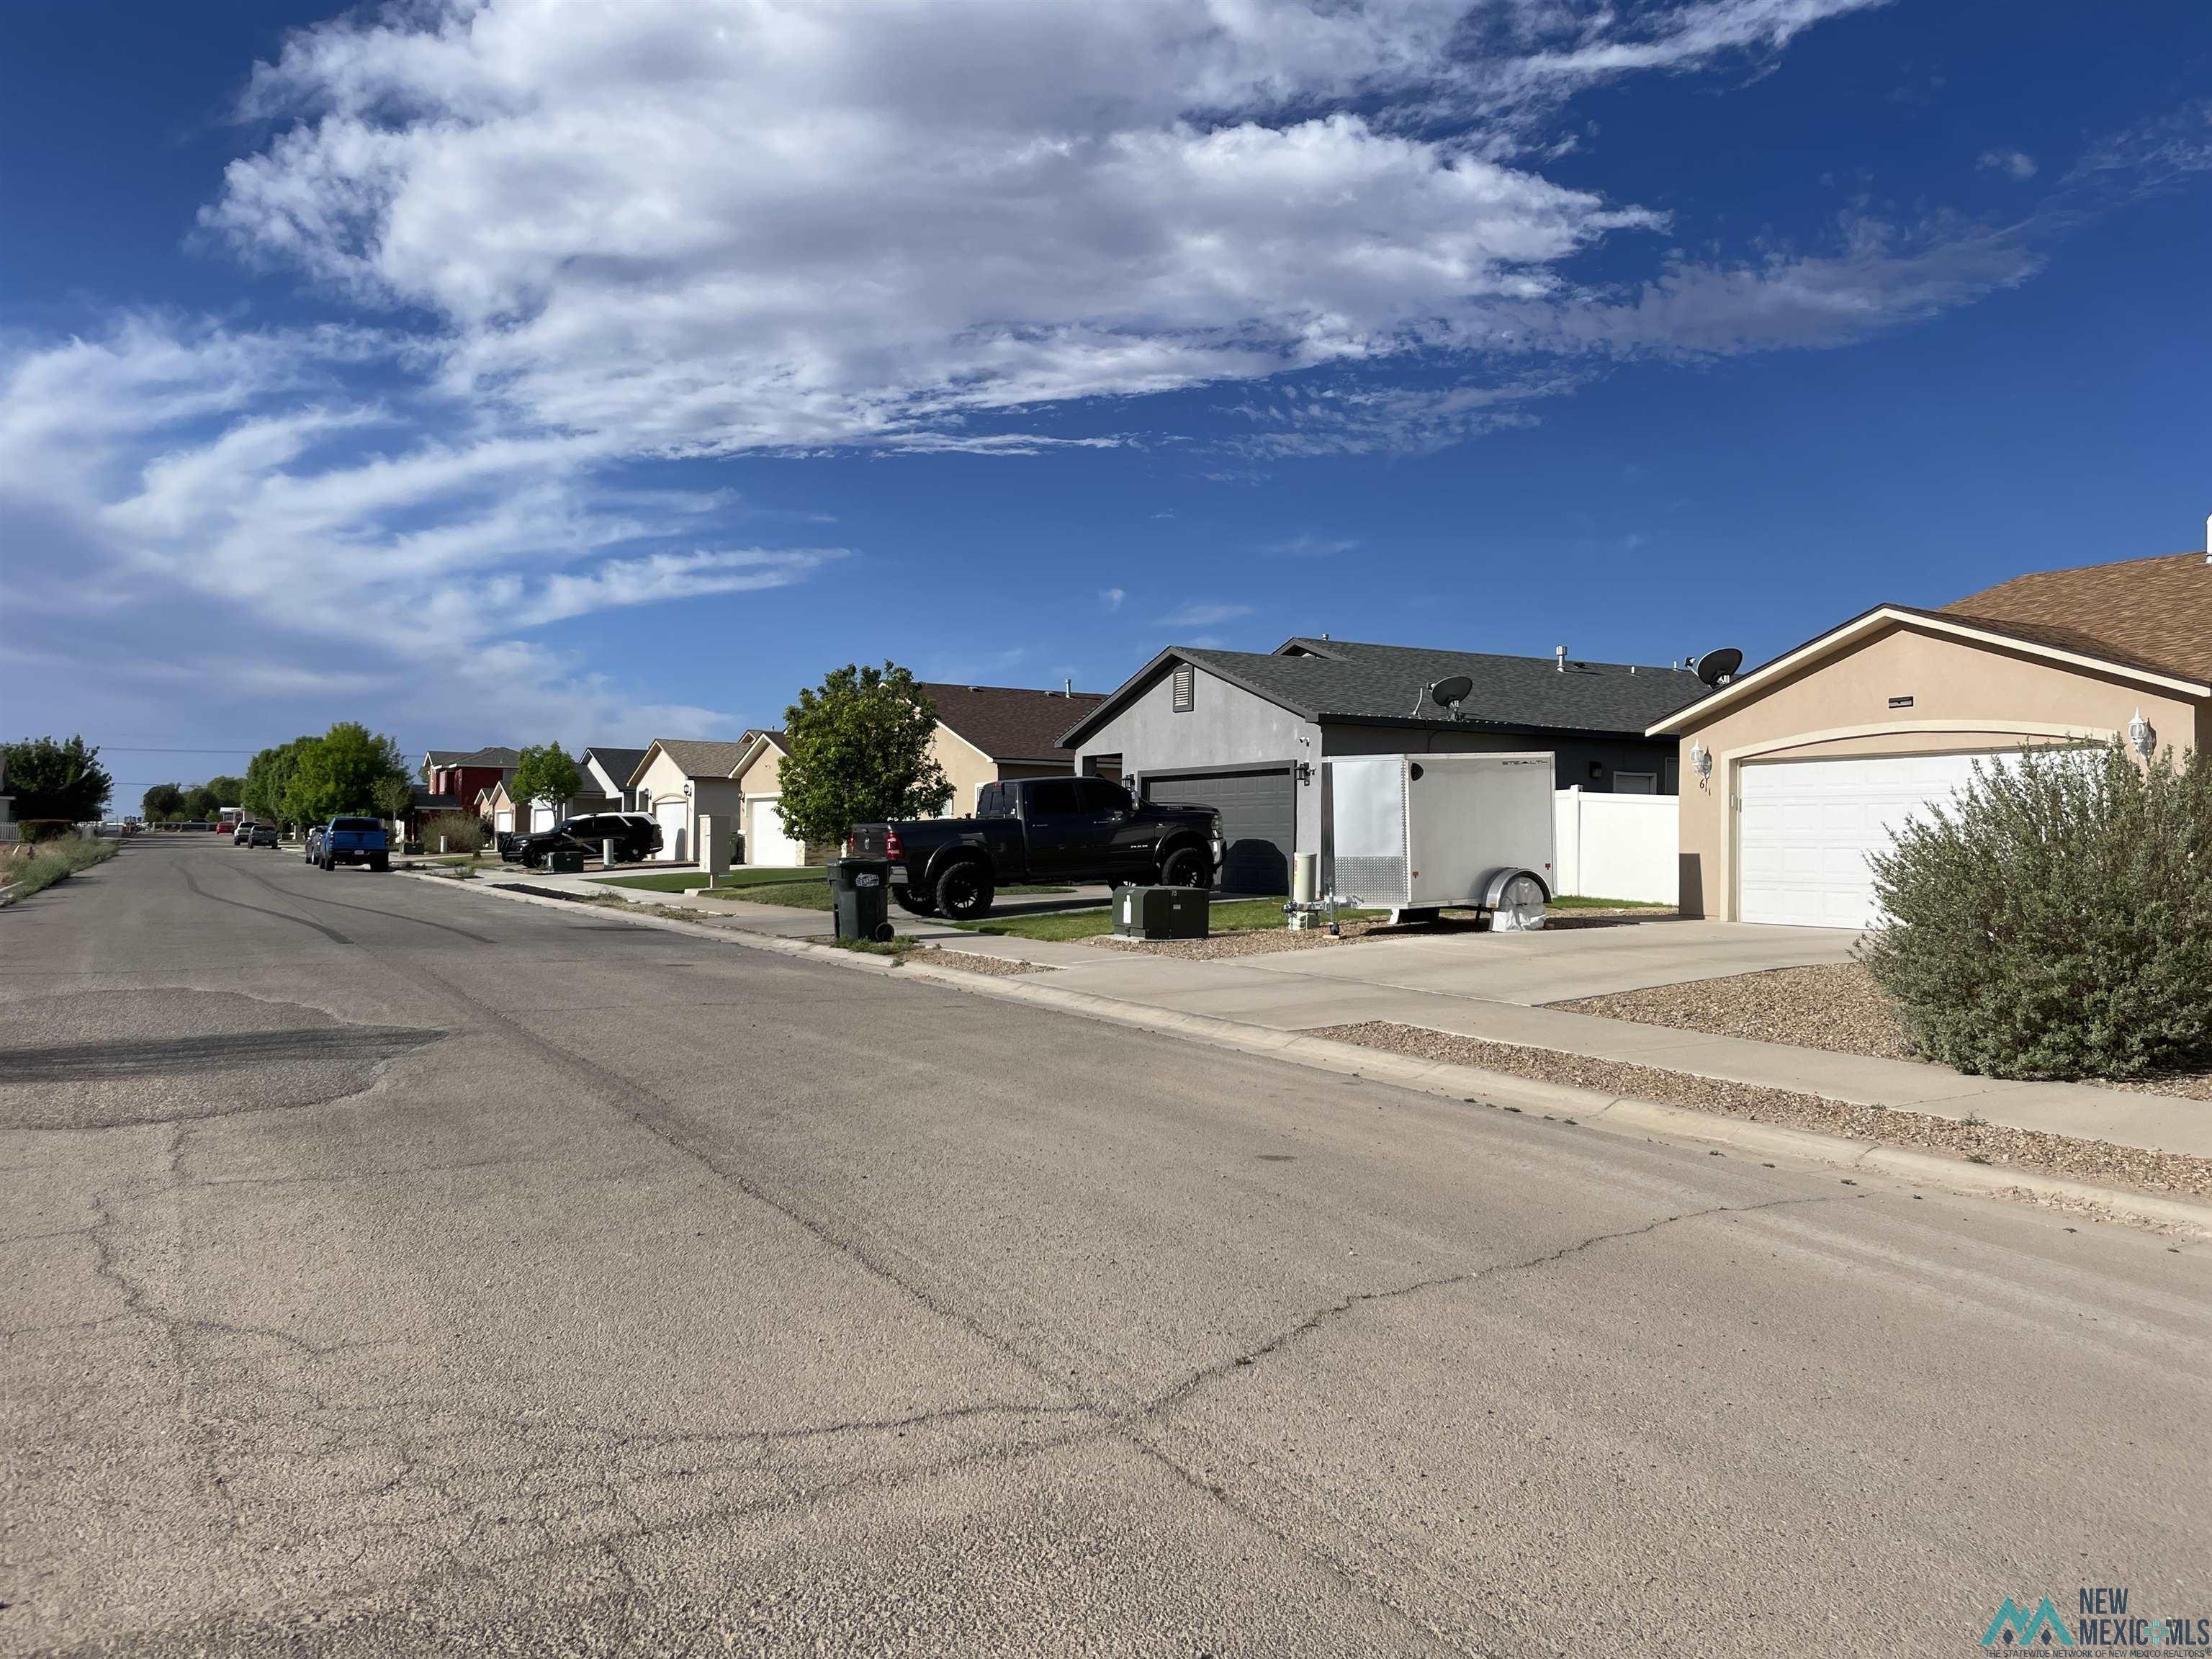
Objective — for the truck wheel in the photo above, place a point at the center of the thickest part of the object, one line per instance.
(1187, 867)
(380, 861)
(916, 901)
(964, 891)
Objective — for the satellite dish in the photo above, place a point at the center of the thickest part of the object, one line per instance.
(1447, 693)
(1715, 666)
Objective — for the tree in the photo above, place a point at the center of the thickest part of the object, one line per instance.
(393, 797)
(859, 754)
(226, 790)
(337, 773)
(201, 802)
(55, 779)
(545, 774)
(262, 790)
(162, 802)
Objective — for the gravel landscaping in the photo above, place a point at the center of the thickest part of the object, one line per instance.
(2098, 1162)
(970, 962)
(1835, 1006)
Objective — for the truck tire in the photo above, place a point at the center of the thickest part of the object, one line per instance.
(964, 890)
(1187, 867)
(916, 901)
(380, 861)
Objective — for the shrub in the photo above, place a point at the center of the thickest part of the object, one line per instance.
(35, 830)
(462, 833)
(2055, 920)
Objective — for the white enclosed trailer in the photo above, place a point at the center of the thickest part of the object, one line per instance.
(1417, 833)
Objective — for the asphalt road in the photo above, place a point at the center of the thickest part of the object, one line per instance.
(395, 1268)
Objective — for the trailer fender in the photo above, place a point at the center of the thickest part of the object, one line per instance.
(1511, 906)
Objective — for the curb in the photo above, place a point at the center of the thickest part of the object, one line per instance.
(1459, 1082)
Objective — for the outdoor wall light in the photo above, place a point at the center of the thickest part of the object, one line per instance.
(1701, 760)
(1305, 771)
(2142, 735)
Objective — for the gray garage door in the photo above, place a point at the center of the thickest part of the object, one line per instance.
(1259, 822)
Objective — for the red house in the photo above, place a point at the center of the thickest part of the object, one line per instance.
(463, 775)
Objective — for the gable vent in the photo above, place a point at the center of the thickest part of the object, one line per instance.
(1186, 686)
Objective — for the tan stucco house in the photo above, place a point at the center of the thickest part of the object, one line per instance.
(1792, 773)
(994, 733)
(766, 842)
(682, 780)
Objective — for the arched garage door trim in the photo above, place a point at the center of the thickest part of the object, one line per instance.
(1728, 778)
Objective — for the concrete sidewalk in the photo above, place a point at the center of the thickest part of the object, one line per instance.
(1489, 986)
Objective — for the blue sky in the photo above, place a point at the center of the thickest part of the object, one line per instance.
(506, 372)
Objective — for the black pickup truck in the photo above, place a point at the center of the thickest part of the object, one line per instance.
(1042, 830)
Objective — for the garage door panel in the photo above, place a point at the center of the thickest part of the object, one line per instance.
(1258, 823)
(1807, 828)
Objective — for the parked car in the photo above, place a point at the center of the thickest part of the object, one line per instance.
(260, 835)
(243, 836)
(353, 840)
(637, 838)
(313, 854)
(1042, 830)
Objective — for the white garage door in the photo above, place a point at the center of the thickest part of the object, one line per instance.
(1807, 826)
(766, 841)
(674, 818)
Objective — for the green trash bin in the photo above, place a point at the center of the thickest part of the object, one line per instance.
(859, 893)
(565, 862)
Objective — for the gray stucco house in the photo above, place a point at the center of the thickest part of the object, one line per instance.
(1243, 731)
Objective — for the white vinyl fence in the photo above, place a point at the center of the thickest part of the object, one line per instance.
(1617, 846)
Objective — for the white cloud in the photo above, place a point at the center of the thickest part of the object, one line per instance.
(1308, 545)
(715, 227)
(2013, 163)
(1111, 598)
(168, 483)
(1203, 614)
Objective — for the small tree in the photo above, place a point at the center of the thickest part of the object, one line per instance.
(201, 802)
(163, 802)
(859, 753)
(267, 774)
(544, 774)
(2056, 922)
(57, 779)
(393, 797)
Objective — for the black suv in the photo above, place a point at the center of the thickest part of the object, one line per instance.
(637, 838)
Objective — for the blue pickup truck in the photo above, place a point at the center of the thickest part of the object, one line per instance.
(350, 841)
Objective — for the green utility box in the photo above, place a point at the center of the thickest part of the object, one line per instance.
(1161, 912)
(565, 862)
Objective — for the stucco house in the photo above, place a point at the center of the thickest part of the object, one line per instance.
(994, 733)
(759, 789)
(678, 781)
(1794, 772)
(1244, 731)
(607, 773)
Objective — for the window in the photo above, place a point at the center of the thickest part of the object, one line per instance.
(1052, 797)
(1635, 783)
(1099, 796)
(1186, 684)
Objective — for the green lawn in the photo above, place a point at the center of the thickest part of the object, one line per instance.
(1583, 901)
(798, 894)
(685, 881)
(1234, 916)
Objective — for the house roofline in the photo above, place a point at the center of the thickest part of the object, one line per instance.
(1118, 697)
(1904, 616)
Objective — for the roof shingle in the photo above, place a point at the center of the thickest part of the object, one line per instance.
(1012, 723)
(1351, 680)
(2145, 613)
